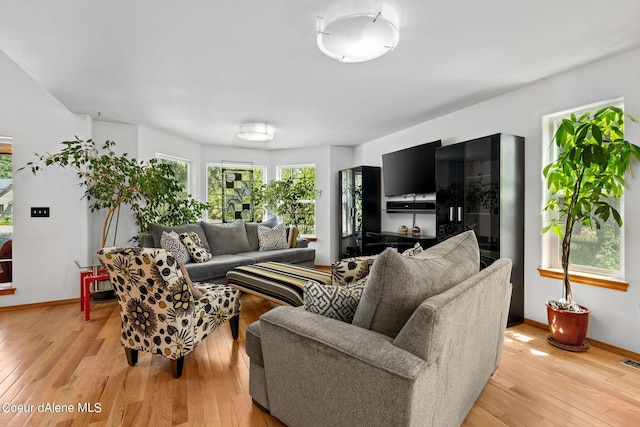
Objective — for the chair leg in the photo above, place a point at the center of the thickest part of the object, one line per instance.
(176, 367)
(132, 356)
(234, 322)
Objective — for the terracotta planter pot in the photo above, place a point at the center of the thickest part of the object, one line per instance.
(568, 327)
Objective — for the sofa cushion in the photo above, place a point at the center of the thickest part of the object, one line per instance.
(287, 256)
(272, 238)
(337, 302)
(225, 239)
(194, 245)
(171, 242)
(252, 231)
(397, 284)
(216, 268)
(156, 231)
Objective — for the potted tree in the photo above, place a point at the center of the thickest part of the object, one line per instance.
(588, 174)
(150, 188)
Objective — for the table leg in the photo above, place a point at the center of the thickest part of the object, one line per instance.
(87, 299)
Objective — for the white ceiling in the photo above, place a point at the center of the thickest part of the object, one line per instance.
(199, 68)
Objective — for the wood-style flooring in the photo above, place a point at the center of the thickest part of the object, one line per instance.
(49, 356)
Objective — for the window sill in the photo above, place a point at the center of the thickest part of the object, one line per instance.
(8, 291)
(585, 279)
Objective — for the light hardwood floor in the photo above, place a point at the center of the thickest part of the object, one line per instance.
(48, 355)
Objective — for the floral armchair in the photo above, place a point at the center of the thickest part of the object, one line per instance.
(158, 310)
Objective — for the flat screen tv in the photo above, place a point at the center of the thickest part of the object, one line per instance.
(410, 171)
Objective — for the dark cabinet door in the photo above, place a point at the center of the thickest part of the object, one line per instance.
(480, 187)
(449, 191)
(482, 195)
(359, 210)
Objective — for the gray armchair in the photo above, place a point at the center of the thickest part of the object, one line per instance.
(424, 367)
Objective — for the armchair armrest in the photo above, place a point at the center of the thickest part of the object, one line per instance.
(312, 363)
(345, 340)
(302, 243)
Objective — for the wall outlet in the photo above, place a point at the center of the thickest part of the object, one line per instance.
(39, 212)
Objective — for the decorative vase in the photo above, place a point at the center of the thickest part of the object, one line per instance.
(568, 328)
(403, 229)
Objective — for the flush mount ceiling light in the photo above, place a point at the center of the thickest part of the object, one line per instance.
(358, 31)
(255, 132)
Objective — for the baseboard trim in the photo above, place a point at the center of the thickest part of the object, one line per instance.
(594, 343)
(39, 304)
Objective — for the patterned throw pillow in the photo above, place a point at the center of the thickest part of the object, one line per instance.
(194, 291)
(415, 250)
(337, 302)
(171, 242)
(272, 238)
(194, 245)
(349, 270)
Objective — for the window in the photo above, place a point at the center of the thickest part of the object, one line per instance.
(229, 191)
(307, 221)
(593, 251)
(6, 212)
(181, 171)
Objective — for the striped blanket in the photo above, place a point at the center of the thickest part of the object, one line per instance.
(275, 281)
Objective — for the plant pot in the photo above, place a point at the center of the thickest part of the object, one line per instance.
(568, 328)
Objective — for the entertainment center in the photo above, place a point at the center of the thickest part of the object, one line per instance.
(478, 185)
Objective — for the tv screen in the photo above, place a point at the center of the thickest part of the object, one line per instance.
(410, 171)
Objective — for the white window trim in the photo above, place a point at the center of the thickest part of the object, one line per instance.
(550, 242)
(299, 166)
(190, 169)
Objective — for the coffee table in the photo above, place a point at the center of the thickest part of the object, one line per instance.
(275, 281)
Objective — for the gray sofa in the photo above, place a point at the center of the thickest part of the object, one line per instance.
(231, 245)
(426, 336)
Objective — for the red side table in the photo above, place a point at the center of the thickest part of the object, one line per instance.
(91, 273)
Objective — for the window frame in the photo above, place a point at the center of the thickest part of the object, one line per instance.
(551, 242)
(279, 169)
(187, 162)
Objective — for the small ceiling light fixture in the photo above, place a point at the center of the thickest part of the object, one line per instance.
(358, 30)
(255, 132)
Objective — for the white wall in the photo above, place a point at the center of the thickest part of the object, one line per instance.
(44, 248)
(126, 138)
(615, 315)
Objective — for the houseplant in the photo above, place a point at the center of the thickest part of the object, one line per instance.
(285, 198)
(110, 180)
(588, 174)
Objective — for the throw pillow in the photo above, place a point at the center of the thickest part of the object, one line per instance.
(292, 237)
(252, 231)
(272, 238)
(349, 270)
(415, 250)
(337, 302)
(171, 242)
(194, 291)
(226, 239)
(397, 285)
(196, 250)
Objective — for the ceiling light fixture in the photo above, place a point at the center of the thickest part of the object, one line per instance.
(358, 31)
(255, 132)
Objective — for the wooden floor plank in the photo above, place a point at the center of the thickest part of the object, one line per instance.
(67, 361)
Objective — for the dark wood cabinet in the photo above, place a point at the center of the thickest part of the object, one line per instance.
(360, 204)
(480, 187)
